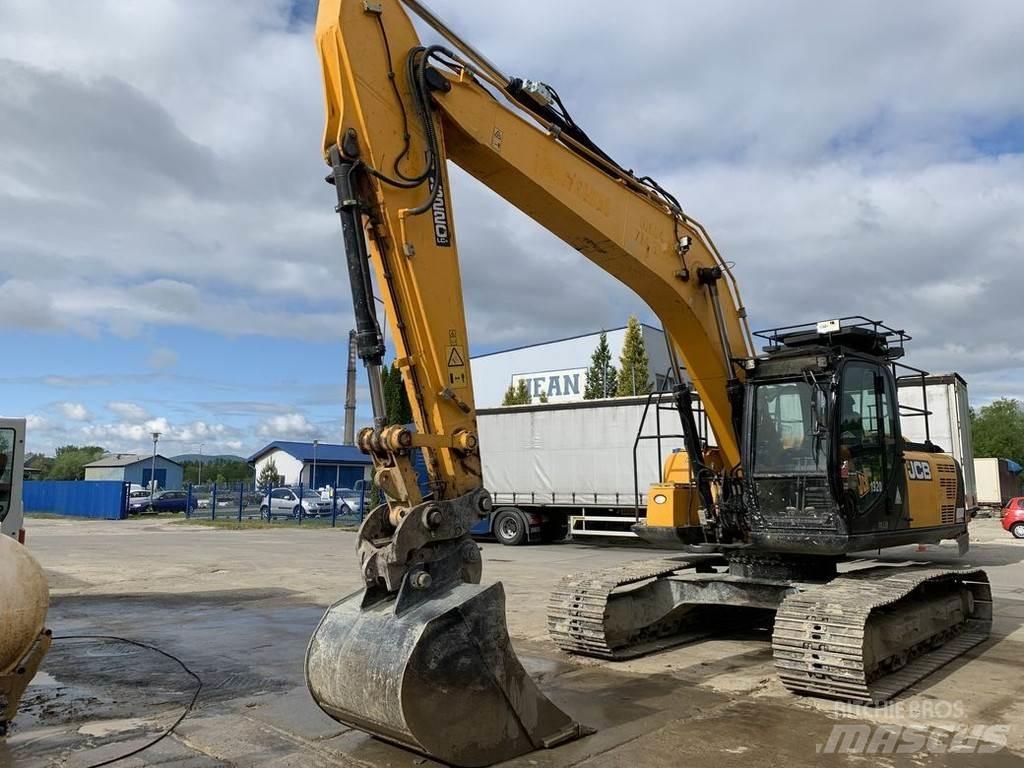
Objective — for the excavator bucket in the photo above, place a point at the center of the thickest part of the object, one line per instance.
(439, 677)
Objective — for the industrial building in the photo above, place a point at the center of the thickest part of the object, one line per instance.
(137, 469)
(316, 465)
(558, 369)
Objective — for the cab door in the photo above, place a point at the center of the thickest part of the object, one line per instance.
(869, 459)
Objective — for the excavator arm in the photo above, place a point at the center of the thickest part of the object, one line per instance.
(397, 112)
(483, 122)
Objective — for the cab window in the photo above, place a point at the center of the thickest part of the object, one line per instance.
(786, 441)
(867, 434)
(7, 438)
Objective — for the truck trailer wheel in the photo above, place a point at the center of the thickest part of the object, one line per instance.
(510, 527)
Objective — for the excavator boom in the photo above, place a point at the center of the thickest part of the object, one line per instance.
(644, 239)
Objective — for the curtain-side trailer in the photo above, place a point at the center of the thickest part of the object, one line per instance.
(544, 483)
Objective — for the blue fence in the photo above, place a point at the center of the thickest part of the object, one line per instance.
(237, 501)
(100, 499)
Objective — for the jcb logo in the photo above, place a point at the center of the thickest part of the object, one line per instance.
(919, 470)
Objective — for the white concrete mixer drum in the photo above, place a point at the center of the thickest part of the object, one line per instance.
(24, 600)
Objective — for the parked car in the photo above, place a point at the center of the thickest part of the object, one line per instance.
(1013, 517)
(285, 502)
(221, 502)
(161, 501)
(353, 501)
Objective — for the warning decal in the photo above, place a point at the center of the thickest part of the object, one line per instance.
(457, 376)
(455, 358)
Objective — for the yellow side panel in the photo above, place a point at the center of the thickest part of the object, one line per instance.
(672, 505)
(932, 490)
(677, 468)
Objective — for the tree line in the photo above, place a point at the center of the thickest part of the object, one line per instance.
(998, 430)
(219, 471)
(631, 378)
(68, 463)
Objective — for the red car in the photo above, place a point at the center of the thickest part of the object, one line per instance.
(1013, 517)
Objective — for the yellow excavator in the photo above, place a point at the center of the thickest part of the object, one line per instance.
(810, 463)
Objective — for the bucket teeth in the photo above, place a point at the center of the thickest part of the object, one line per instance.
(441, 678)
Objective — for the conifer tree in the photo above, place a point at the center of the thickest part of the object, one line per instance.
(517, 394)
(601, 375)
(634, 370)
(396, 400)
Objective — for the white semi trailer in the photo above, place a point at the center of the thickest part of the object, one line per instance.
(997, 483)
(569, 466)
(948, 425)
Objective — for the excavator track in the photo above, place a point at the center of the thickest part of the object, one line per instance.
(577, 609)
(824, 635)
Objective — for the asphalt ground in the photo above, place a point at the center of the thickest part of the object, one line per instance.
(238, 607)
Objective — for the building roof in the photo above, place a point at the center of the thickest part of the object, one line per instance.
(125, 460)
(559, 341)
(328, 453)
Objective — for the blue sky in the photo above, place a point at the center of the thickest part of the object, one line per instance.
(177, 263)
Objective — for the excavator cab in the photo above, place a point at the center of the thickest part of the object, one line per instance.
(823, 452)
(826, 470)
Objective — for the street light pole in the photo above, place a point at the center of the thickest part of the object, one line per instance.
(313, 478)
(152, 473)
(200, 463)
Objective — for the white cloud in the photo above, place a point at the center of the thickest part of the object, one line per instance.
(174, 437)
(842, 156)
(34, 423)
(75, 412)
(24, 304)
(128, 411)
(287, 426)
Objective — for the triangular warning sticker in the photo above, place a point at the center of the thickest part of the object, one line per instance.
(899, 497)
(455, 359)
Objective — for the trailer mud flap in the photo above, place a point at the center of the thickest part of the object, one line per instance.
(440, 677)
